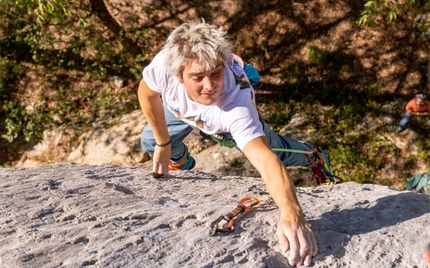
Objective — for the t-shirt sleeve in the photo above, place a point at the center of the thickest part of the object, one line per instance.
(245, 127)
(155, 74)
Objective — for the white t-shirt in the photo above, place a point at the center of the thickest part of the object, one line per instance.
(235, 111)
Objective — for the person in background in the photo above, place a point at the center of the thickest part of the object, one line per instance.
(196, 82)
(418, 106)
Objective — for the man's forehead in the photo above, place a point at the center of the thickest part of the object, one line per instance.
(195, 67)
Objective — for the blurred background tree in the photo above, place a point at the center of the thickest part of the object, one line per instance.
(339, 72)
(61, 41)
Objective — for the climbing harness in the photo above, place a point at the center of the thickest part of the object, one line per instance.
(230, 143)
(219, 138)
(225, 223)
(321, 169)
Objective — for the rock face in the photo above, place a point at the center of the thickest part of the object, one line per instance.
(101, 145)
(119, 144)
(76, 215)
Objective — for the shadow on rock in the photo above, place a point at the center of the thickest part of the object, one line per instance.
(336, 228)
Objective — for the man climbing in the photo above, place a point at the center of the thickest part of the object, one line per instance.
(418, 106)
(196, 82)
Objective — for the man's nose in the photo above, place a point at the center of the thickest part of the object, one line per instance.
(207, 83)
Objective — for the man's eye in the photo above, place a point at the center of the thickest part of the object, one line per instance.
(217, 73)
(197, 79)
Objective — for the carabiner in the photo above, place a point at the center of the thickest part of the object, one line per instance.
(245, 204)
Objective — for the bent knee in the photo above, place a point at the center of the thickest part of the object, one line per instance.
(148, 145)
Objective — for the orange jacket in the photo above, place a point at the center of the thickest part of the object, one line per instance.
(412, 106)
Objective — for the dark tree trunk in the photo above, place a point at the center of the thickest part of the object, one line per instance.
(99, 8)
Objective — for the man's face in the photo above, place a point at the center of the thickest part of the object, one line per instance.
(203, 86)
(419, 102)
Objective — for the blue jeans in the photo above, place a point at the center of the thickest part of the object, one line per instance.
(178, 130)
(405, 120)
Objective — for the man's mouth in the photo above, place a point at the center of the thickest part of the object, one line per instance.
(209, 92)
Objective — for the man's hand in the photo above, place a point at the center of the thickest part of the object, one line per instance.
(299, 240)
(152, 108)
(160, 161)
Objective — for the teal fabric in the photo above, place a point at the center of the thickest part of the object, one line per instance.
(419, 182)
(251, 72)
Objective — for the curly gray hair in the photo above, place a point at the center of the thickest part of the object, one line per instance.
(196, 40)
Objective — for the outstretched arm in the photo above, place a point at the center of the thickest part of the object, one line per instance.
(293, 231)
(152, 108)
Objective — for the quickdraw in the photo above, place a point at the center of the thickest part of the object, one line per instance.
(247, 203)
(319, 172)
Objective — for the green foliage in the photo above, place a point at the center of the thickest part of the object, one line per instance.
(321, 57)
(72, 49)
(60, 42)
(20, 122)
(351, 164)
(236, 163)
(137, 70)
(422, 152)
(50, 10)
(374, 9)
(9, 71)
(282, 112)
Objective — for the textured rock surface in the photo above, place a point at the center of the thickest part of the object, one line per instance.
(79, 215)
